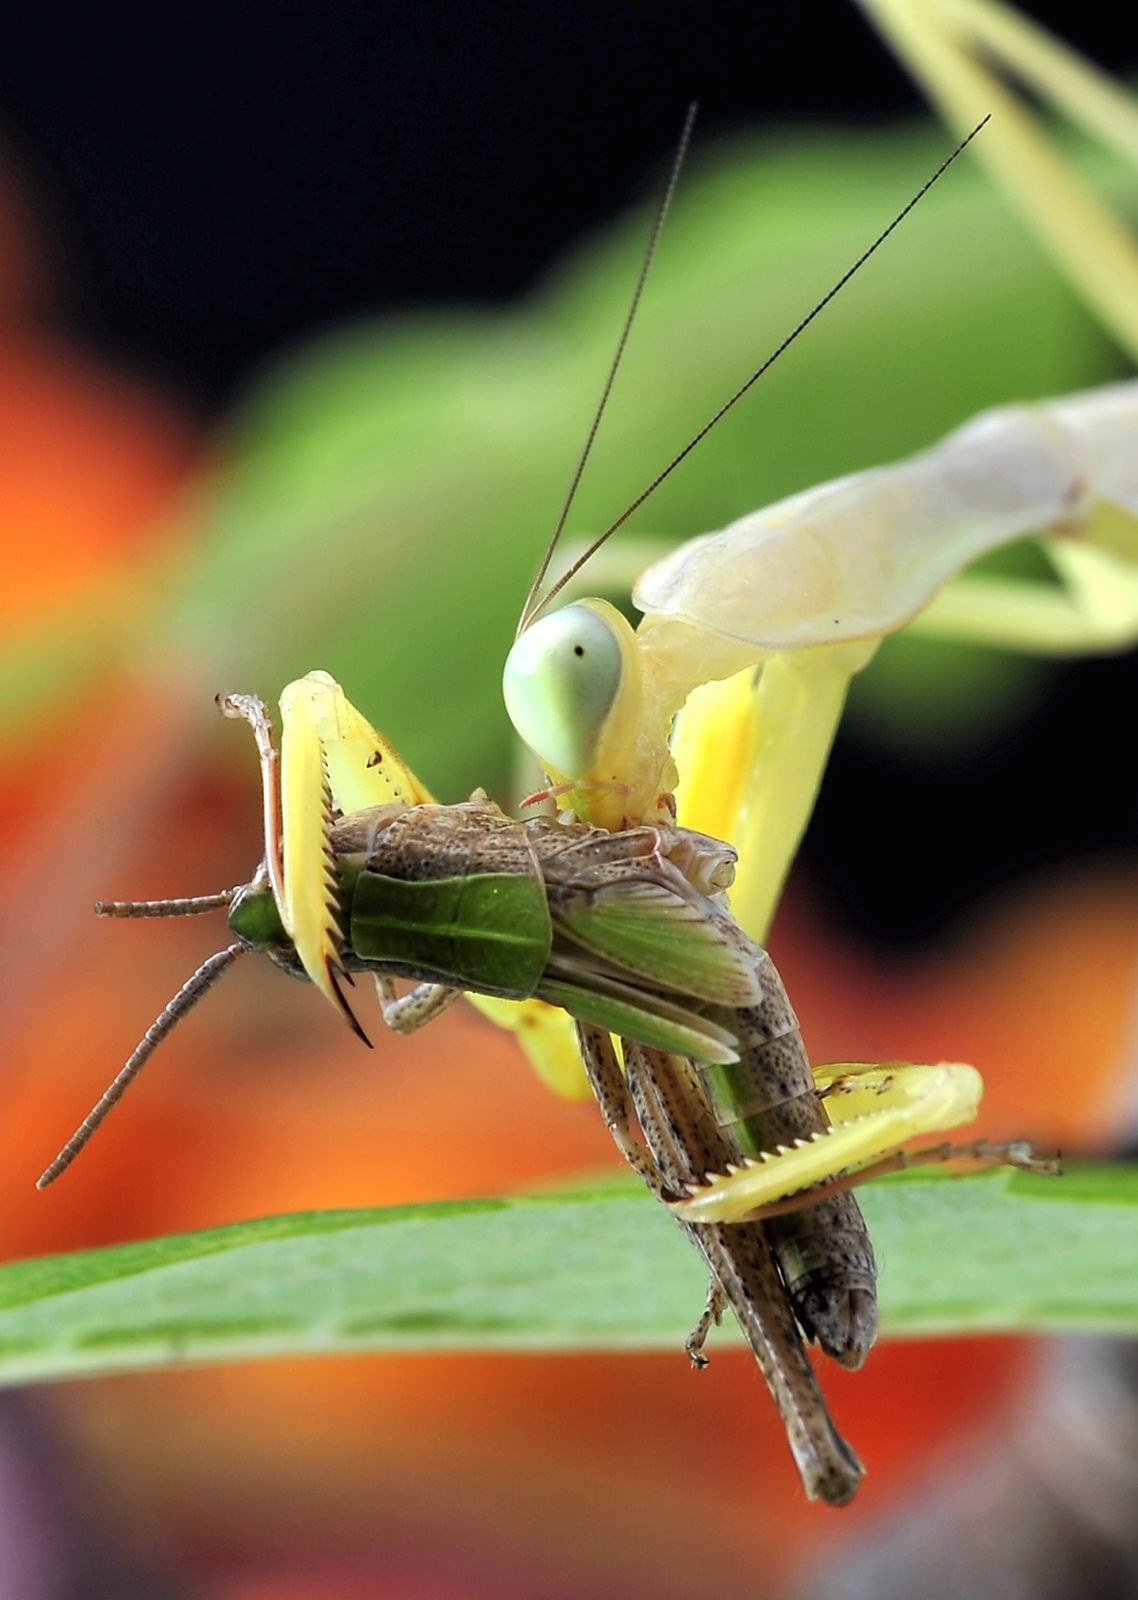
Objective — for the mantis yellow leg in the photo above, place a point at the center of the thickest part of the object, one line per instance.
(331, 760)
(877, 1109)
(1095, 609)
(948, 45)
(751, 755)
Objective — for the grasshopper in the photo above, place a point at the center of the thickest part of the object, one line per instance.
(625, 931)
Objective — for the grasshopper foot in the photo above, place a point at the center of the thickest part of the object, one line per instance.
(711, 1318)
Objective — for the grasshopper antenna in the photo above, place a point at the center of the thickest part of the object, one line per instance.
(186, 998)
(531, 606)
(191, 906)
(533, 610)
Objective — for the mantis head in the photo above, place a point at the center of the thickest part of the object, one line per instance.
(593, 700)
(573, 688)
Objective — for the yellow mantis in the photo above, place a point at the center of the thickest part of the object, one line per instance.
(731, 688)
(724, 701)
(748, 645)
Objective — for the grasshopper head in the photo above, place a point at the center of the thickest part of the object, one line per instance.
(254, 918)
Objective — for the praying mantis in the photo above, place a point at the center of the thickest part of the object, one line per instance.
(615, 770)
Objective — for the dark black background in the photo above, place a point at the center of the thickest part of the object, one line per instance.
(218, 179)
(222, 177)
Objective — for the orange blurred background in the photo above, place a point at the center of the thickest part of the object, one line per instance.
(411, 1478)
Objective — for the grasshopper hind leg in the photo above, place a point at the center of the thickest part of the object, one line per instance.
(607, 1081)
(684, 1142)
(742, 1272)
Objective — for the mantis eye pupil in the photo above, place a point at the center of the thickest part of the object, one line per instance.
(578, 649)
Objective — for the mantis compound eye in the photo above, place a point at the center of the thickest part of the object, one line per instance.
(571, 688)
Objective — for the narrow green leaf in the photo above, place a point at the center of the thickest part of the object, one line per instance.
(602, 1270)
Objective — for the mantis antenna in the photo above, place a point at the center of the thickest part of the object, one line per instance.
(533, 606)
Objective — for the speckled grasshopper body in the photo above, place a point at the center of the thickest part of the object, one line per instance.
(622, 931)
(625, 930)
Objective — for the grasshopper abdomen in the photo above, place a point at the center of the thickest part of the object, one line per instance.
(766, 1102)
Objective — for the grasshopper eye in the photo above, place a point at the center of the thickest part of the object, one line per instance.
(567, 683)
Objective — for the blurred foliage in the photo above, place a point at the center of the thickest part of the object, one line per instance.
(381, 497)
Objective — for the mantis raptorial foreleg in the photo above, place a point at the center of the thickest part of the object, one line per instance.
(1019, 1153)
(875, 1110)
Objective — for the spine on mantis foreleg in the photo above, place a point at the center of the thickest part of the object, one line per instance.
(767, 1101)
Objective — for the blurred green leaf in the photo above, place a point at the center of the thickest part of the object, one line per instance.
(600, 1270)
(386, 488)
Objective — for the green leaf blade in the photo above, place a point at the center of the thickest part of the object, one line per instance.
(601, 1270)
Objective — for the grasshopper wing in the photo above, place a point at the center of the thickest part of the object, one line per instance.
(679, 942)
